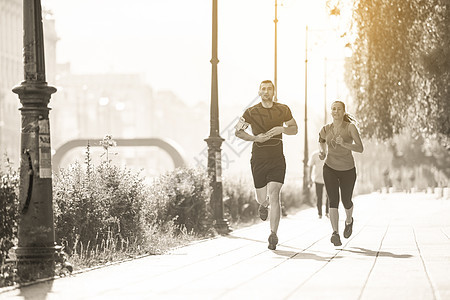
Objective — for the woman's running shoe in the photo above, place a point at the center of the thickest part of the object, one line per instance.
(348, 229)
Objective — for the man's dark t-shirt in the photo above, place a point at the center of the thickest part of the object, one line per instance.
(263, 119)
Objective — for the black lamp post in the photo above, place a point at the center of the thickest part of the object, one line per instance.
(214, 140)
(305, 151)
(325, 115)
(305, 158)
(36, 251)
(275, 52)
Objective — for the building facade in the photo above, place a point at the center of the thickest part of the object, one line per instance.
(89, 106)
(11, 73)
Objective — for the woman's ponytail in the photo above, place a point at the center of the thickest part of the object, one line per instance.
(350, 118)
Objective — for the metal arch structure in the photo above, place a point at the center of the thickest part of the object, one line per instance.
(169, 146)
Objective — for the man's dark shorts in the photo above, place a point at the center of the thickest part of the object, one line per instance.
(265, 170)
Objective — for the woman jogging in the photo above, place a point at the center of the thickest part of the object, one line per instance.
(337, 141)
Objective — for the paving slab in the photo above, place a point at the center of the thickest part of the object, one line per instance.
(399, 249)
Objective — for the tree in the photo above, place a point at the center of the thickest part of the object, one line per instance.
(399, 71)
(433, 74)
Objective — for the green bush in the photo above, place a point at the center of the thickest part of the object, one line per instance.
(124, 194)
(292, 195)
(96, 204)
(182, 196)
(107, 207)
(9, 203)
(239, 200)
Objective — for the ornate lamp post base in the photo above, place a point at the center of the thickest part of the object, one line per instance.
(215, 174)
(37, 251)
(222, 226)
(36, 262)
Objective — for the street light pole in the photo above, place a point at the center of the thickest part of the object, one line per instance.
(305, 152)
(214, 140)
(36, 252)
(275, 52)
(325, 62)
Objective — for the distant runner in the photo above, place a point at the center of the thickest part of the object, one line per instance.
(316, 175)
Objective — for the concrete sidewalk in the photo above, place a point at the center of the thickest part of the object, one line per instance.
(400, 249)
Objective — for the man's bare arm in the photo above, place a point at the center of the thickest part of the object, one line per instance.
(260, 138)
(290, 129)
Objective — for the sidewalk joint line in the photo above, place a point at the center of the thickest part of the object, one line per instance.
(227, 252)
(277, 265)
(433, 288)
(232, 236)
(324, 265)
(374, 263)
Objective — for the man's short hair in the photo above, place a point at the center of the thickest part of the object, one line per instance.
(267, 81)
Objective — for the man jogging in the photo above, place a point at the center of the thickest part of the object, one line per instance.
(268, 164)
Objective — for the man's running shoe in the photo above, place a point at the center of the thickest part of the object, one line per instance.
(335, 239)
(263, 212)
(273, 241)
(348, 229)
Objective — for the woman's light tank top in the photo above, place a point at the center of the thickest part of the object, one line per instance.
(338, 157)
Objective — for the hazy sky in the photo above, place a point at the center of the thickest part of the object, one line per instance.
(169, 42)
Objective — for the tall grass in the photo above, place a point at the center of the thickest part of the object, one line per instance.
(113, 249)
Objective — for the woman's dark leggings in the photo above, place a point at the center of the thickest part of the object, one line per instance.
(345, 180)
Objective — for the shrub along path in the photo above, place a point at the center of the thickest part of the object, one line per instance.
(400, 249)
